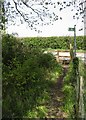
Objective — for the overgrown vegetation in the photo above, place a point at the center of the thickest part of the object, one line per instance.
(69, 89)
(82, 69)
(85, 88)
(69, 92)
(55, 42)
(28, 74)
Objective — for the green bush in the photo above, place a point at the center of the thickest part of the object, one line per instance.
(27, 74)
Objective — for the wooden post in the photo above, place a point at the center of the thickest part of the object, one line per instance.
(71, 52)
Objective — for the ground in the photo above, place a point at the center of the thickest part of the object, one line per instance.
(56, 102)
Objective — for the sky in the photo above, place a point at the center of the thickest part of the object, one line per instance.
(59, 27)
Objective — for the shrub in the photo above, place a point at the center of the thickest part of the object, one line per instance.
(26, 79)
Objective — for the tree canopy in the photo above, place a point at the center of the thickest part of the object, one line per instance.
(39, 12)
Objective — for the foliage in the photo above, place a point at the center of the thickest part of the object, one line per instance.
(55, 42)
(82, 70)
(84, 87)
(69, 92)
(27, 76)
(39, 12)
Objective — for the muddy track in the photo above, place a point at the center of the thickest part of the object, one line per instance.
(57, 97)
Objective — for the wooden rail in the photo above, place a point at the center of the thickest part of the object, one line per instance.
(63, 57)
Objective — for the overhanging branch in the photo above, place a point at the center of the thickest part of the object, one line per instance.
(33, 10)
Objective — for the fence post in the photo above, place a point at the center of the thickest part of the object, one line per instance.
(71, 52)
(81, 101)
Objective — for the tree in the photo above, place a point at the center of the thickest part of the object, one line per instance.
(2, 13)
(41, 12)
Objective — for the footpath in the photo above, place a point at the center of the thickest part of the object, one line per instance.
(57, 98)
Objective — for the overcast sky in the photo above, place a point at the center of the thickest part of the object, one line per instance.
(59, 28)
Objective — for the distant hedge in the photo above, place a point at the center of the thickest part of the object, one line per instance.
(55, 42)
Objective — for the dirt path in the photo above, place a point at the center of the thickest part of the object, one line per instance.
(57, 97)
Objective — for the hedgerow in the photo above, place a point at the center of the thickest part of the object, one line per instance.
(27, 75)
(55, 42)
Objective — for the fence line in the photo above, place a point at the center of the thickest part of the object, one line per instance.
(81, 99)
(80, 94)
